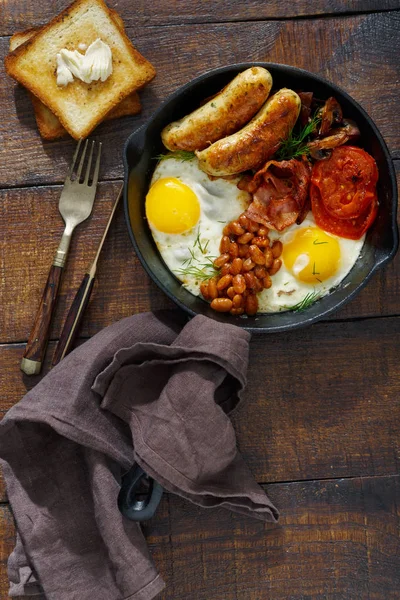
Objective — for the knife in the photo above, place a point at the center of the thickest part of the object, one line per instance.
(81, 300)
(139, 495)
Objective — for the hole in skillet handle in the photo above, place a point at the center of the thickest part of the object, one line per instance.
(139, 495)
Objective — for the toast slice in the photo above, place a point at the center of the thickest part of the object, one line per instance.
(48, 124)
(79, 106)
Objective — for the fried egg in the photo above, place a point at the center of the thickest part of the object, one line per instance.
(313, 263)
(186, 212)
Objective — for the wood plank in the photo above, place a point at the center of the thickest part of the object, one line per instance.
(320, 402)
(352, 51)
(31, 231)
(23, 15)
(336, 539)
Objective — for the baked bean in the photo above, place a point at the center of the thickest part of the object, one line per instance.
(236, 266)
(221, 304)
(243, 250)
(221, 260)
(251, 305)
(256, 255)
(267, 282)
(263, 231)
(204, 289)
(212, 288)
(244, 221)
(231, 292)
(250, 280)
(253, 226)
(238, 301)
(239, 284)
(261, 242)
(276, 248)
(269, 257)
(225, 269)
(259, 286)
(260, 272)
(248, 265)
(245, 238)
(224, 245)
(276, 265)
(224, 282)
(234, 250)
(245, 246)
(236, 228)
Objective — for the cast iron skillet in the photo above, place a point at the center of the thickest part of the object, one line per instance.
(145, 143)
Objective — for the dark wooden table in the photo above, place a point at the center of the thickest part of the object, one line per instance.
(321, 425)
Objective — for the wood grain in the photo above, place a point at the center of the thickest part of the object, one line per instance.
(320, 402)
(122, 287)
(39, 336)
(73, 320)
(323, 401)
(335, 540)
(351, 51)
(31, 233)
(21, 15)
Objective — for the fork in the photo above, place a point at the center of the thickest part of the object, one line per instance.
(75, 206)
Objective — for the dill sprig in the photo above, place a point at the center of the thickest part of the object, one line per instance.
(308, 299)
(296, 144)
(193, 266)
(197, 242)
(183, 155)
(200, 271)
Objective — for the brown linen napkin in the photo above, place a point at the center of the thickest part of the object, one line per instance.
(146, 390)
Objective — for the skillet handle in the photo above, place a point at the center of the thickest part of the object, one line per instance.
(129, 504)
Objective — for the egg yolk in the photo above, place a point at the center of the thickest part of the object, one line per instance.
(171, 206)
(312, 255)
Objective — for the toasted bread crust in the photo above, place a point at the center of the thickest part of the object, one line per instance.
(50, 127)
(48, 124)
(20, 37)
(132, 71)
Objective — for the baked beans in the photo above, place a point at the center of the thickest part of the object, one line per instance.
(246, 263)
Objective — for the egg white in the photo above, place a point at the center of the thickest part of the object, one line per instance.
(220, 202)
(287, 290)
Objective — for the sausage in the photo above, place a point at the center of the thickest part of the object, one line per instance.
(224, 114)
(253, 145)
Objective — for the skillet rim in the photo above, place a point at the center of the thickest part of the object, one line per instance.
(301, 318)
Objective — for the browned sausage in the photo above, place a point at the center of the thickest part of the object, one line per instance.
(253, 145)
(224, 114)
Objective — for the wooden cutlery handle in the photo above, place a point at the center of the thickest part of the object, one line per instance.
(35, 350)
(74, 318)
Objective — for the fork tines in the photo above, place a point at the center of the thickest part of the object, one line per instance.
(77, 176)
